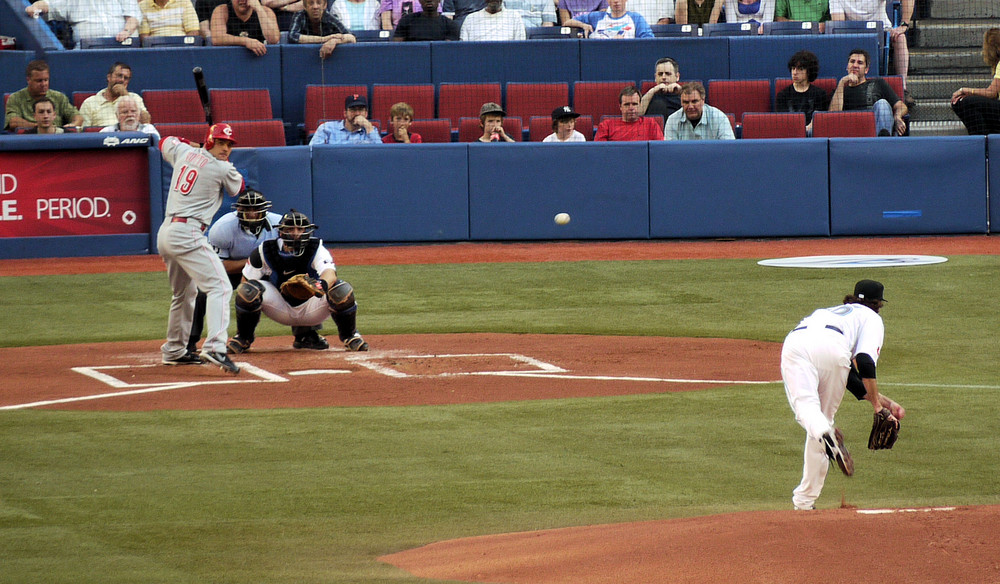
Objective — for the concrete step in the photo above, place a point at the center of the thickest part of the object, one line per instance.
(950, 128)
(944, 60)
(933, 110)
(965, 9)
(933, 33)
(928, 87)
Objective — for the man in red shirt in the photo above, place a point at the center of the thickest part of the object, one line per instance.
(632, 126)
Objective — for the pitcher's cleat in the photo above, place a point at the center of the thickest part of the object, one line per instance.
(835, 449)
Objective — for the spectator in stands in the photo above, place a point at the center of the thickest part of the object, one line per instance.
(315, 25)
(664, 98)
(245, 23)
(45, 116)
(426, 25)
(979, 109)
(856, 92)
(803, 11)
(355, 129)
(394, 10)
(99, 109)
(564, 126)
(534, 13)
(168, 18)
(359, 14)
(92, 18)
(491, 117)
(654, 11)
(285, 11)
(457, 10)
(569, 9)
(698, 11)
(802, 95)
(614, 23)
(758, 11)
(127, 110)
(631, 126)
(204, 9)
(20, 110)
(493, 23)
(697, 120)
(869, 10)
(400, 118)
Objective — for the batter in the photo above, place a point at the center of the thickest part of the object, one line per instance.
(201, 175)
(815, 360)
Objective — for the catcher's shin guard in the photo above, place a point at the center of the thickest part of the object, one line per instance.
(343, 309)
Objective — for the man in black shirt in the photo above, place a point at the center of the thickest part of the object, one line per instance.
(664, 98)
(428, 25)
(856, 92)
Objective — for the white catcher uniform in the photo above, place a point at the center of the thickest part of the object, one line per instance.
(196, 193)
(815, 360)
(312, 312)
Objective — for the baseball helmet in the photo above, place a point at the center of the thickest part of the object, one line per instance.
(295, 243)
(219, 132)
(251, 210)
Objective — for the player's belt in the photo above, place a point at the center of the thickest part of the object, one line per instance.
(829, 326)
(201, 225)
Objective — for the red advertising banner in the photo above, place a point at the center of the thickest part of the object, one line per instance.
(74, 192)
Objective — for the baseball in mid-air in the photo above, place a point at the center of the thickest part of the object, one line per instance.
(561, 218)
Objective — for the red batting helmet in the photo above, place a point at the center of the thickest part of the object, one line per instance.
(219, 132)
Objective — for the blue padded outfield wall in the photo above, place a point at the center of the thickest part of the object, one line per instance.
(635, 190)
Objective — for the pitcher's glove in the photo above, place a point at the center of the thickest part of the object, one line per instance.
(885, 430)
(303, 287)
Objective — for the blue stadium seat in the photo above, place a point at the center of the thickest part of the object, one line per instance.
(168, 41)
(674, 30)
(372, 36)
(862, 27)
(109, 43)
(551, 32)
(729, 29)
(790, 27)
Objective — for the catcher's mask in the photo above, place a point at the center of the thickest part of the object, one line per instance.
(295, 230)
(251, 210)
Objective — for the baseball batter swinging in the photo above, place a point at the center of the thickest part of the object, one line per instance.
(200, 176)
(815, 361)
(267, 277)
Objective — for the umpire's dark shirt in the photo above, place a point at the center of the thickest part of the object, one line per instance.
(420, 27)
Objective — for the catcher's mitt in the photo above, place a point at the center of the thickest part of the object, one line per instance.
(303, 287)
(885, 430)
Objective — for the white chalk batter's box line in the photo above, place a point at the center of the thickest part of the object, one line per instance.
(370, 361)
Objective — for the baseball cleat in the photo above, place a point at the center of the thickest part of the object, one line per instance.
(188, 358)
(222, 360)
(312, 340)
(356, 343)
(835, 449)
(237, 345)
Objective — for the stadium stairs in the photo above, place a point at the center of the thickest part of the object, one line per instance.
(946, 54)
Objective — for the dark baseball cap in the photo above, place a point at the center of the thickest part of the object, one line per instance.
(869, 290)
(491, 108)
(564, 112)
(355, 100)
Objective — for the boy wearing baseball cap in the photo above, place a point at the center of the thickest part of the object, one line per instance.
(355, 129)
(491, 117)
(564, 126)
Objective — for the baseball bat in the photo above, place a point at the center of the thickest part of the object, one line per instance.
(199, 81)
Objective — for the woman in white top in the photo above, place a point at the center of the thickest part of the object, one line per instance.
(358, 14)
(564, 126)
(750, 10)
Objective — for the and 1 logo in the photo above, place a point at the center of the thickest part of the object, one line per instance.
(853, 261)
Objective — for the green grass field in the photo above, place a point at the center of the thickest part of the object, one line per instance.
(316, 495)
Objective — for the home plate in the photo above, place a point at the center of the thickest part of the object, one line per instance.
(318, 372)
(884, 511)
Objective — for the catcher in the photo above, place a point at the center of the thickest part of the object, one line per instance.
(293, 280)
(816, 362)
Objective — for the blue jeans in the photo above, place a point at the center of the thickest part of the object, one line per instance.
(884, 119)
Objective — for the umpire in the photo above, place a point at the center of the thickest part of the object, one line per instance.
(234, 236)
